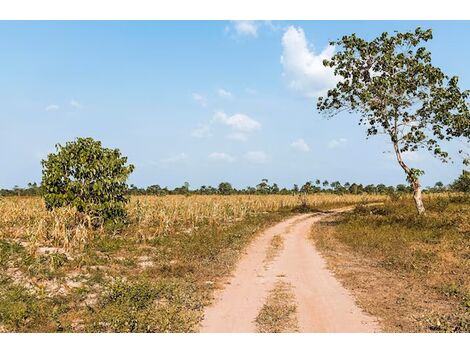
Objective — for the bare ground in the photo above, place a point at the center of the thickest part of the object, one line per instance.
(322, 303)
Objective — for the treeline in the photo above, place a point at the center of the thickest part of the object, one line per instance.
(462, 184)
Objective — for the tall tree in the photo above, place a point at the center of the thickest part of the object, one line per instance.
(391, 82)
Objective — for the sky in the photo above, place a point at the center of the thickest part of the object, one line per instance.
(202, 102)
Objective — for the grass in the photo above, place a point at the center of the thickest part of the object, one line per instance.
(155, 274)
(275, 246)
(410, 271)
(278, 313)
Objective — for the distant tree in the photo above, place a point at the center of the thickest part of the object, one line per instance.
(296, 188)
(317, 182)
(402, 188)
(307, 188)
(263, 186)
(462, 184)
(88, 177)
(274, 189)
(392, 83)
(325, 183)
(225, 188)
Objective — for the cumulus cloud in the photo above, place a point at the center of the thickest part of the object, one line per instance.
(336, 142)
(256, 157)
(302, 68)
(52, 107)
(300, 145)
(224, 93)
(75, 104)
(246, 28)
(238, 122)
(200, 99)
(217, 156)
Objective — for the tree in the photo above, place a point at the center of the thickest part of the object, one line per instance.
(391, 82)
(462, 184)
(88, 177)
(263, 186)
(225, 188)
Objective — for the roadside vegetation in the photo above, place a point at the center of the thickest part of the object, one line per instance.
(155, 272)
(278, 313)
(409, 271)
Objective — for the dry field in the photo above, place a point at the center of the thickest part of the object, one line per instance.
(155, 273)
(410, 272)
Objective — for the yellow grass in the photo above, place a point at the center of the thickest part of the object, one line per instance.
(27, 220)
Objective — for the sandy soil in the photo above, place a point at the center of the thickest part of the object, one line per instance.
(323, 304)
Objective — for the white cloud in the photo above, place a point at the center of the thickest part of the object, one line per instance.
(336, 142)
(75, 104)
(52, 107)
(200, 99)
(238, 122)
(175, 158)
(202, 132)
(303, 69)
(216, 156)
(300, 145)
(224, 93)
(246, 28)
(256, 157)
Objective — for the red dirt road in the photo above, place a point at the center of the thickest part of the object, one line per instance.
(323, 304)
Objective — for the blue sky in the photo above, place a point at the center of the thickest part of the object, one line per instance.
(202, 102)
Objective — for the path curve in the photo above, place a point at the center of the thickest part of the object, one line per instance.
(323, 304)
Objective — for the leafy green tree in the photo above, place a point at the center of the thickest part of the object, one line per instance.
(391, 82)
(263, 186)
(462, 184)
(88, 177)
(274, 189)
(225, 188)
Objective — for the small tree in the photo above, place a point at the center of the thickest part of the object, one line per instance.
(391, 82)
(462, 184)
(225, 188)
(88, 177)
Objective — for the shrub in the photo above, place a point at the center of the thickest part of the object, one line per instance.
(84, 175)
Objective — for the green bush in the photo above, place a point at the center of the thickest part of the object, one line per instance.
(88, 177)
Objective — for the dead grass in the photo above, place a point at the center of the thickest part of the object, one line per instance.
(155, 273)
(275, 246)
(278, 313)
(410, 272)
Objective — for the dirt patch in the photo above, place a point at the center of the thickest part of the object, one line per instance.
(323, 305)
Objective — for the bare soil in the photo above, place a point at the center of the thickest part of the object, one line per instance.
(322, 303)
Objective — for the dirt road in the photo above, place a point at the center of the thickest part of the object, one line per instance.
(323, 304)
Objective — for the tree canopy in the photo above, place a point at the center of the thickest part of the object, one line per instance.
(392, 83)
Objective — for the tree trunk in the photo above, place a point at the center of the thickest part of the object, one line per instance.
(417, 196)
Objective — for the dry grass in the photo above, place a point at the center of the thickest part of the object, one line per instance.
(410, 271)
(278, 313)
(275, 246)
(155, 273)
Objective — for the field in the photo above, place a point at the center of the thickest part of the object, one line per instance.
(411, 272)
(154, 274)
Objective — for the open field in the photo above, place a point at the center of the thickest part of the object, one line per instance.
(156, 273)
(410, 272)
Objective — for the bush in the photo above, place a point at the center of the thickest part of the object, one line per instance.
(88, 177)
(462, 184)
